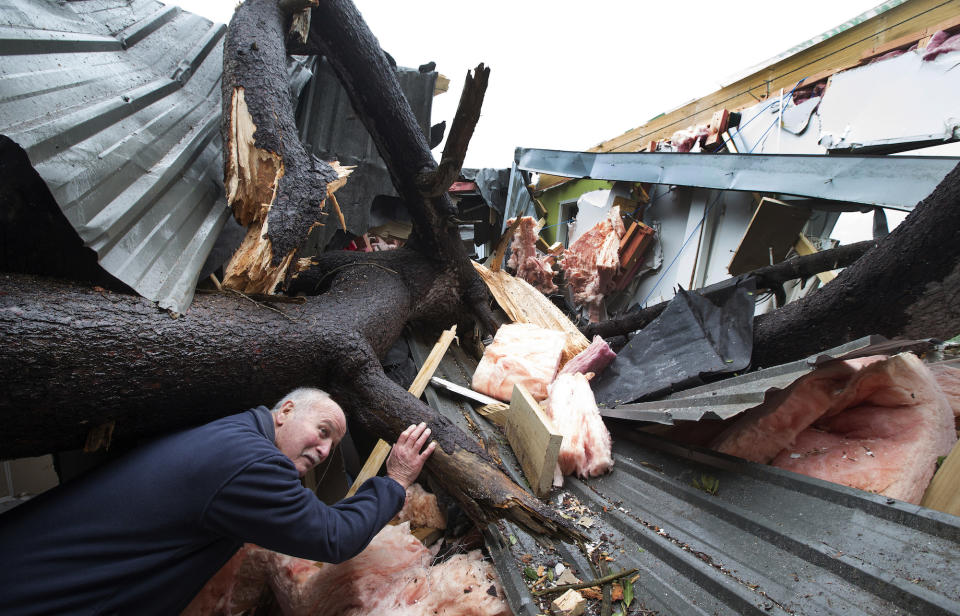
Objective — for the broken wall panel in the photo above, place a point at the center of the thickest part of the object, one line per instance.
(897, 104)
(117, 105)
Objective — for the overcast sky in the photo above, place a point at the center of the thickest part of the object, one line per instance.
(569, 74)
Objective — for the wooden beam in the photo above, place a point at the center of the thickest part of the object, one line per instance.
(841, 51)
(382, 449)
(535, 445)
(909, 39)
(943, 493)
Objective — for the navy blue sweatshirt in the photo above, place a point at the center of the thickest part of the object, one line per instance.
(143, 534)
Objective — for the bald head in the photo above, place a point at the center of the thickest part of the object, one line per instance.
(308, 425)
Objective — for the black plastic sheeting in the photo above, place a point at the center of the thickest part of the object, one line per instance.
(692, 340)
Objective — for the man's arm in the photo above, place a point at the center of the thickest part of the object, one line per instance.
(266, 504)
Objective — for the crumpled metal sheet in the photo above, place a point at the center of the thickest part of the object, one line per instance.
(729, 397)
(118, 104)
(898, 182)
(767, 542)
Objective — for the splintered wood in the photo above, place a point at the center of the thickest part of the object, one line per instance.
(524, 304)
(252, 177)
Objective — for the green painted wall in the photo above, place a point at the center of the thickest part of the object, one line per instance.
(553, 197)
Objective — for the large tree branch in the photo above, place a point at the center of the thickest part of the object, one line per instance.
(76, 358)
(769, 277)
(435, 183)
(272, 182)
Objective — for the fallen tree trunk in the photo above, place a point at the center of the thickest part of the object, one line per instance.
(907, 286)
(77, 357)
(80, 358)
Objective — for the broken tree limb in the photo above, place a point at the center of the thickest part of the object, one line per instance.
(268, 174)
(382, 449)
(769, 277)
(465, 120)
(339, 32)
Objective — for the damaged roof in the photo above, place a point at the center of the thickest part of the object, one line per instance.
(764, 541)
(117, 105)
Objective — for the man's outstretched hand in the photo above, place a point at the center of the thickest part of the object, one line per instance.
(408, 455)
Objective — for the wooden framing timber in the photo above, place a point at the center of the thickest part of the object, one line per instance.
(536, 446)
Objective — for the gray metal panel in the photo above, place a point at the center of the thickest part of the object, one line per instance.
(898, 182)
(333, 131)
(117, 104)
(769, 541)
(729, 397)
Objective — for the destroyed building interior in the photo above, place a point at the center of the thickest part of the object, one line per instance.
(658, 382)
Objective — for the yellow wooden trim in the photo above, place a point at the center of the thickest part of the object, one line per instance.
(843, 50)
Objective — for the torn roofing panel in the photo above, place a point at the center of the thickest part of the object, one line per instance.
(117, 104)
(766, 542)
(898, 182)
(333, 131)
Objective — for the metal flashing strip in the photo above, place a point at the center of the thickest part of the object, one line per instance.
(897, 182)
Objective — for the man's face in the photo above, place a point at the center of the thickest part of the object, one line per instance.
(306, 433)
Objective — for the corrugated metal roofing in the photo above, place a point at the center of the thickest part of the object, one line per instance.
(768, 542)
(117, 104)
(729, 397)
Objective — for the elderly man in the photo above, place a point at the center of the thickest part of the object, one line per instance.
(142, 535)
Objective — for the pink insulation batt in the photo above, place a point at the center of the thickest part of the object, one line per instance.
(876, 424)
(526, 262)
(590, 264)
(948, 379)
(520, 353)
(593, 359)
(395, 574)
(572, 409)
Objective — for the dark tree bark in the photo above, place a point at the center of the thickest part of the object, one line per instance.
(907, 286)
(76, 357)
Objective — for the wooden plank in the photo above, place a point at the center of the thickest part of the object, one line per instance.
(943, 493)
(838, 52)
(433, 360)
(382, 449)
(535, 445)
(910, 39)
(525, 304)
(805, 247)
(769, 236)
